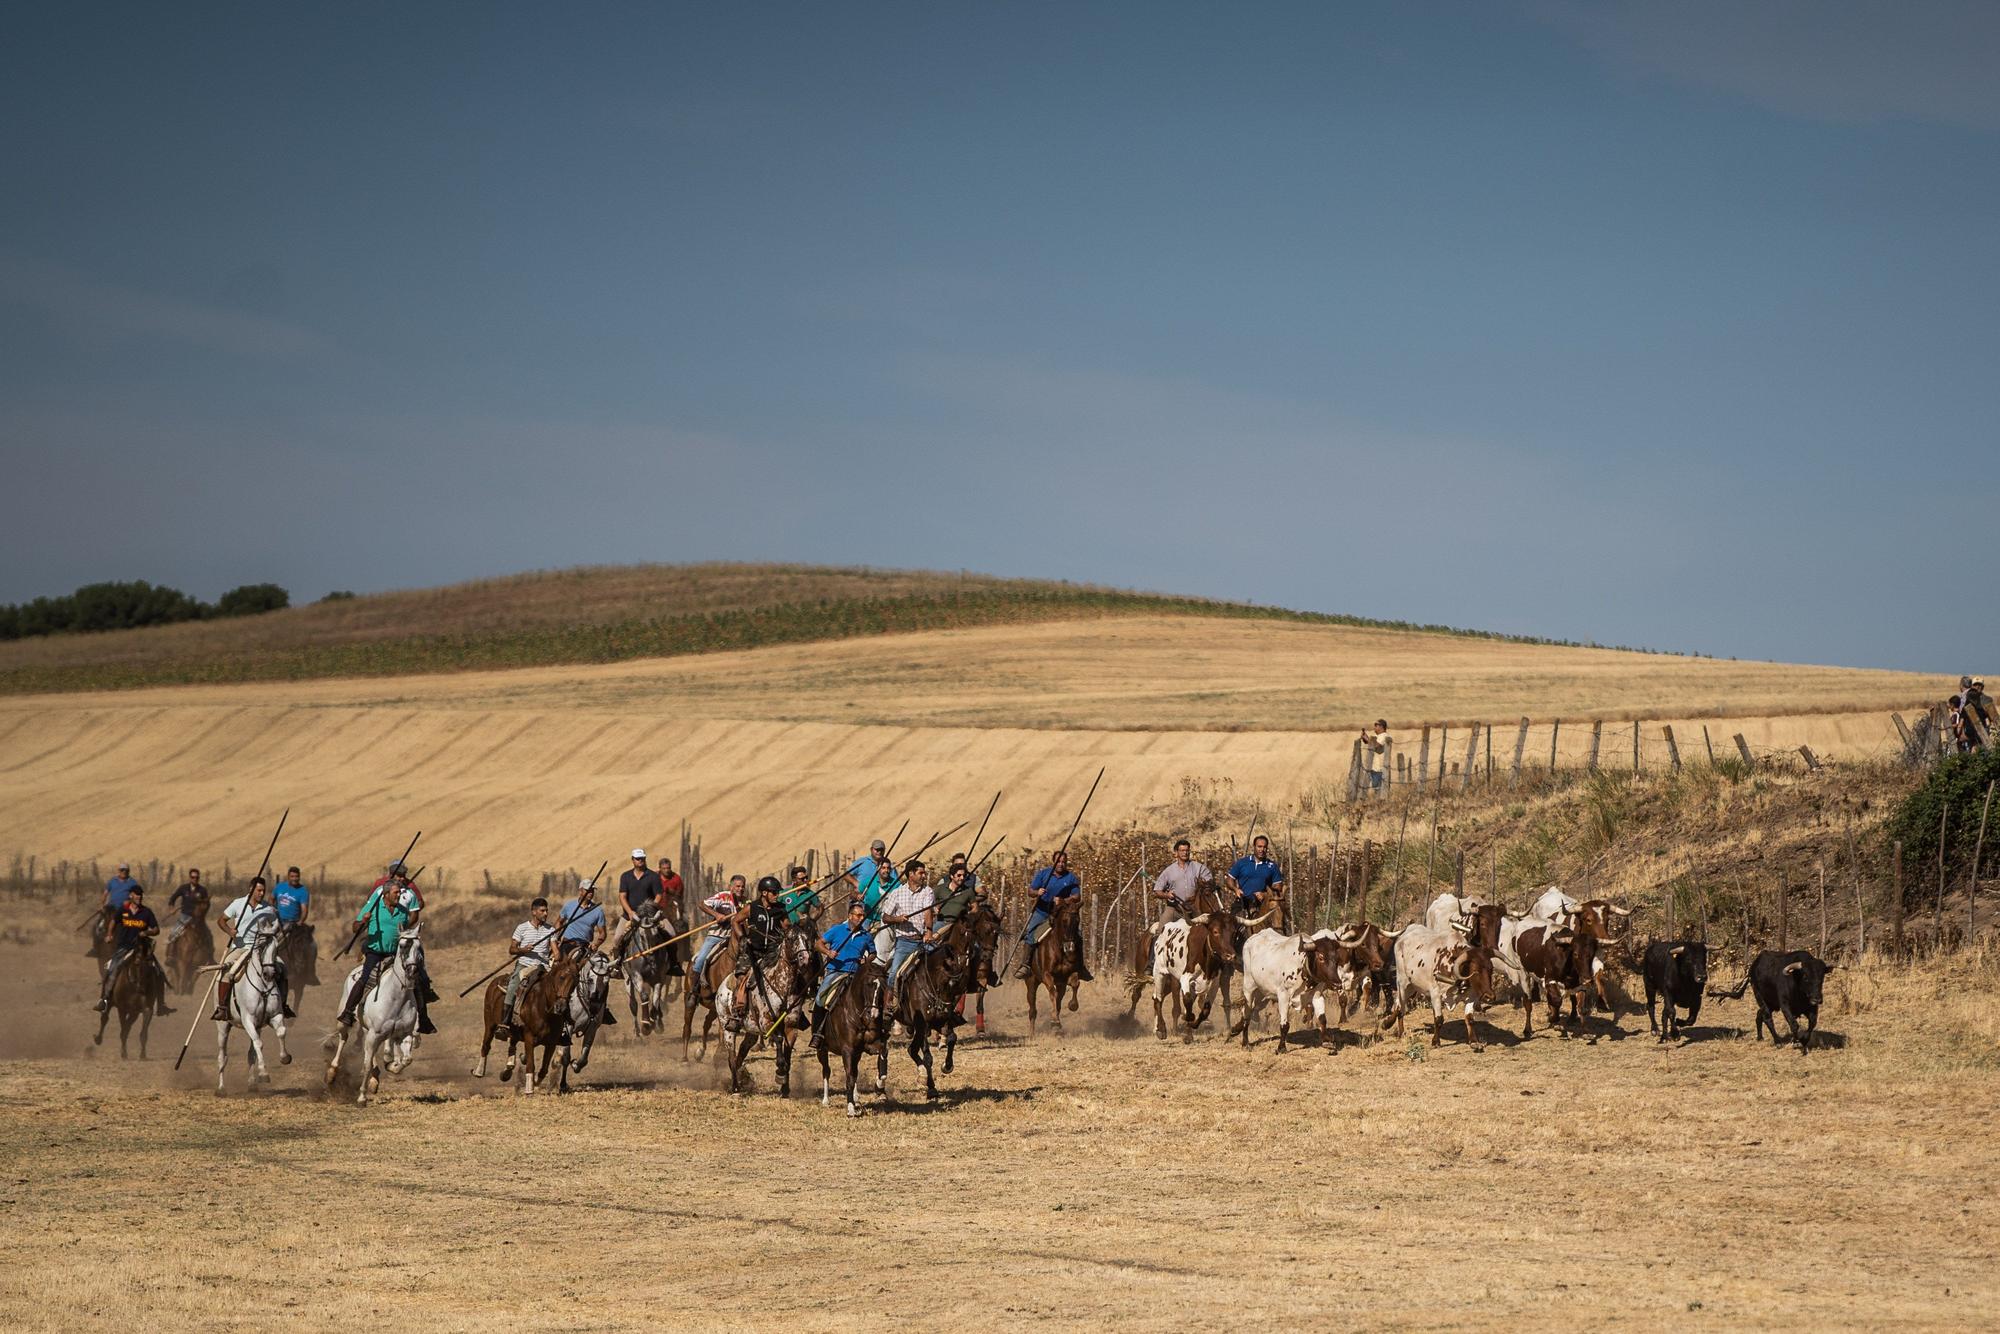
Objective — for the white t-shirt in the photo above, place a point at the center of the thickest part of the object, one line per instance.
(1376, 758)
(245, 920)
(537, 940)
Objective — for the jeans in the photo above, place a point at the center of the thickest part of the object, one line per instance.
(1035, 920)
(902, 954)
(709, 943)
(372, 963)
(827, 984)
(1375, 779)
(525, 971)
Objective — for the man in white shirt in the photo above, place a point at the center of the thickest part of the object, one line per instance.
(1375, 753)
(908, 911)
(532, 949)
(250, 919)
(1175, 888)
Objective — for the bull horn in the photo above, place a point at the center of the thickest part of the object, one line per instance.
(1398, 932)
(1199, 920)
(1461, 968)
(1463, 928)
(1245, 921)
(1614, 908)
(1678, 950)
(1793, 967)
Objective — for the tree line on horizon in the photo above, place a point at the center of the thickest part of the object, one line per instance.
(130, 604)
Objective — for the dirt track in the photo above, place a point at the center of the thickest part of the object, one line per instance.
(1100, 1177)
(770, 752)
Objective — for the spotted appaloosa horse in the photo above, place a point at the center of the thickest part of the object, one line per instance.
(134, 993)
(1056, 961)
(647, 969)
(771, 1006)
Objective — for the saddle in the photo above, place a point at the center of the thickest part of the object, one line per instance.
(1041, 933)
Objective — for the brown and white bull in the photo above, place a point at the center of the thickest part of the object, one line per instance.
(1489, 926)
(1561, 959)
(1350, 960)
(1192, 958)
(1440, 965)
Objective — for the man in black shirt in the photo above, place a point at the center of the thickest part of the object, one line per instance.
(191, 901)
(131, 924)
(639, 894)
(763, 935)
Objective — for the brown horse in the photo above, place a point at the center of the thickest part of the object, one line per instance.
(541, 1019)
(134, 993)
(849, 1028)
(1056, 960)
(700, 991)
(927, 996)
(298, 950)
(771, 1006)
(982, 924)
(188, 953)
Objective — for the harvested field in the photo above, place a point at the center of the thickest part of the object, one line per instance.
(1100, 1178)
(772, 751)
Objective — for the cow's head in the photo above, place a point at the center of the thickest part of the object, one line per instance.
(1479, 924)
(1690, 964)
(1471, 968)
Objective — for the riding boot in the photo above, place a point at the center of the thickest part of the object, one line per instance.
(284, 992)
(354, 995)
(1082, 967)
(426, 993)
(424, 1024)
(160, 1007)
(222, 993)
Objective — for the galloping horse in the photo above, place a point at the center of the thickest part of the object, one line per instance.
(702, 990)
(849, 1028)
(133, 994)
(541, 1019)
(647, 969)
(257, 1002)
(982, 923)
(388, 1016)
(927, 995)
(772, 1005)
(1056, 960)
(587, 1009)
(192, 950)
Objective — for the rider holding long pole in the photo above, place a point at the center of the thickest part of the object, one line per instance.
(390, 906)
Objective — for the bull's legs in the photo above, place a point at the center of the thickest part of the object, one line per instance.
(1791, 1024)
(1159, 1016)
(1805, 1039)
(1284, 1020)
(1471, 1040)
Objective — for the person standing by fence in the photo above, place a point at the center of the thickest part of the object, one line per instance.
(1375, 753)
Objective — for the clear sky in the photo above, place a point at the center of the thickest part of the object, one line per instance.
(1671, 325)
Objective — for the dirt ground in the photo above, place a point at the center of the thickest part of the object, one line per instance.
(1098, 1177)
(770, 752)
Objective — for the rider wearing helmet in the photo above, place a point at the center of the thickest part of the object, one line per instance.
(763, 934)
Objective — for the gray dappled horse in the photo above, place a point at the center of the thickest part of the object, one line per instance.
(766, 996)
(257, 1002)
(388, 1016)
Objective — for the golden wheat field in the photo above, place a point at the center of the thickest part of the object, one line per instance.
(1099, 1178)
(771, 751)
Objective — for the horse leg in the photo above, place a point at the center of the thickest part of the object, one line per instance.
(853, 1059)
(222, 1056)
(333, 1062)
(825, 1073)
(951, 1038)
(687, 1019)
(258, 1073)
(784, 1055)
(1075, 990)
(920, 1052)
(1031, 1006)
(548, 1054)
(145, 1027)
(280, 1028)
(707, 1027)
(105, 1018)
(370, 1044)
(125, 1032)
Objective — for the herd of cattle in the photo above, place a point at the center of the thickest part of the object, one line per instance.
(1466, 954)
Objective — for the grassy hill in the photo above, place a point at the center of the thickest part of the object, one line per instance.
(586, 615)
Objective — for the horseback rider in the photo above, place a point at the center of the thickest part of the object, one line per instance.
(191, 901)
(392, 905)
(961, 892)
(639, 891)
(1052, 884)
(910, 910)
(118, 886)
(532, 949)
(873, 876)
(583, 919)
(721, 909)
(133, 922)
(801, 905)
(249, 917)
(843, 945)
(292, 899)
(1176, 885)
(764, 926)
(1258, 877)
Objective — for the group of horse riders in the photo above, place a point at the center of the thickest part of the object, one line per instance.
(1257, 876)
(128, 927)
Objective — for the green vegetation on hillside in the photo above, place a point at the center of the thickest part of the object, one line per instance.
(130, 605)
(591, 616)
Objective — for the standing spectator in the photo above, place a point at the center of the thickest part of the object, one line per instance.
(1375, 753)
(1979, 704)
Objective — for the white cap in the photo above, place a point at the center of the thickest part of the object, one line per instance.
(586, 883)
(639, 853)
(124, 866)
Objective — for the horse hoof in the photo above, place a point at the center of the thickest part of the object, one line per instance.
(284, 1058)
(218, 1091)
(853, 1110)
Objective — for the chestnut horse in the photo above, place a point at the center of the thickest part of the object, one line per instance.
(541, 1019)
(134, 993)
(982, 924)
(849, 1028)
(700, 991)
(1056, 960)
(188, 953)
(769, 1005)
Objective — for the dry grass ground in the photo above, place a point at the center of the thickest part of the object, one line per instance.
(1099, 1178)
(772, 751)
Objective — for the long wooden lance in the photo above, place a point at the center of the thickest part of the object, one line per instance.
(543, 940)
(988, 853)
(357, 926)
(215, 982)
(973, 846)
(1079, 816)
(934, 840)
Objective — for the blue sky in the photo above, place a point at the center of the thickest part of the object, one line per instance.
(1662, 325)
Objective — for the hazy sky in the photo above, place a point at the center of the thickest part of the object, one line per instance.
(1670, 325)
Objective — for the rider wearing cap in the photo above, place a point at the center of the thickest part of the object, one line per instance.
(249, 917)
(582, 919)
(391, 908)
(639, 891)
(132, 923)
(873, 876)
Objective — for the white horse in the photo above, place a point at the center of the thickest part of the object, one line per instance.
(258, 1002)
(388, 1016)
(586, 1010)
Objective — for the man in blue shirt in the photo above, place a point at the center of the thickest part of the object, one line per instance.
(583, 920)
(291, 898)
(118, 886)
(1051, 884)
(873, 877)
(844, 945)
(1257, 878)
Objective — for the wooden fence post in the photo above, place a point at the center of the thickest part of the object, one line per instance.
(1743, 749)
(1458, 874)
(1424, 758)
(1896, 901)
(1367, 855)
(1784, 913)
(1471, 758)
(1596, 736)
(1520, 745)
(1902, 729)
(1854, 874)
(1673, 751)
(1354, 771)
(1972, 883)
(1444, 739)
(1822, 908)
(1937, 913)
(1710, 744)
(1388, 770)
(1635, 747)
(1812, 760)
(1555, 730)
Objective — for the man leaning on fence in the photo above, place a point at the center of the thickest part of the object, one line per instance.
(1375, 754)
